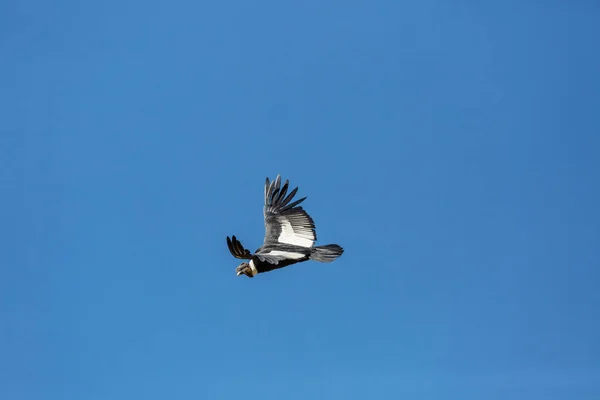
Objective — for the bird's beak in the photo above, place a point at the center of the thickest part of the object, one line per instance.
(239, 273)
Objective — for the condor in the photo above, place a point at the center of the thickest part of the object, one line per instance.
(289, 235)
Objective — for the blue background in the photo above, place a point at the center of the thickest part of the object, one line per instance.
(452, 149)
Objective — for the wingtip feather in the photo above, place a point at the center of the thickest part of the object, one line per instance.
(294, 204)
(282, 192)
(289, 197)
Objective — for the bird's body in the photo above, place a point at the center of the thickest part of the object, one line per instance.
(289, 235)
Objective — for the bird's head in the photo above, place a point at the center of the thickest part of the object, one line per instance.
(244, 268)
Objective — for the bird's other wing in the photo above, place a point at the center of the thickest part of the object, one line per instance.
(285, 222)
(237, 250)
(269, 258)
(289, 254)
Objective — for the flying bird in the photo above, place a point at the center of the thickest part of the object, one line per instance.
(290, 235)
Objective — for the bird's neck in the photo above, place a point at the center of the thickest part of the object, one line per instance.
(253, 268)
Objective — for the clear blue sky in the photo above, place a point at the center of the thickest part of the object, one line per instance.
(452, 149)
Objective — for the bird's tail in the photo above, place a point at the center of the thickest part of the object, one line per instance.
(326, 253)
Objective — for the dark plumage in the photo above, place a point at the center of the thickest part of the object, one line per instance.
(289, 235)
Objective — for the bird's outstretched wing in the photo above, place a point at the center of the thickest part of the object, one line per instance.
(237, 250)
(285, 222)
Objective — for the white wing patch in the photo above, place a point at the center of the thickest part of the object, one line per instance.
(297, 236)
(287, 254)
